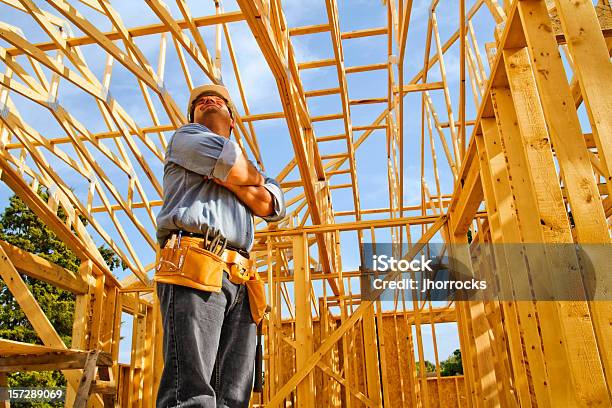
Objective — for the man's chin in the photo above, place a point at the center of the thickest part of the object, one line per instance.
(204, 113)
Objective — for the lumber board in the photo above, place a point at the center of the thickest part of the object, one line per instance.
(41, 269)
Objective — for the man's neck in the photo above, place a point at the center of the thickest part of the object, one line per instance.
(217, 129)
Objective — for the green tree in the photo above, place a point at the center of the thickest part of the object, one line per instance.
(19, 226)
(452, 365)
(429, 367)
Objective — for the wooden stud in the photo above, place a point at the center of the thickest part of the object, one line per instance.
(305, 390)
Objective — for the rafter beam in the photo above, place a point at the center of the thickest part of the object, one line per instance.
(280, 58)
(115, 35)
(39, 268)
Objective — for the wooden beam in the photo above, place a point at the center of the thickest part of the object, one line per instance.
(403, 30)
(317, 64)
(367, 32)
(366, 68)
(369, 127)
(371, 360)
(444, 125)
(504, 227)
(321, 92)
(368, 101)
(331, 116)
(40, 358)
(311, 29)
(349, 226)
(39, 268)
(263, 116)
(430, 86)
(151, 29)
(331, 138)
(94, 136)
(591, 62)
(281, 61)
(468, 197)
(303, 318)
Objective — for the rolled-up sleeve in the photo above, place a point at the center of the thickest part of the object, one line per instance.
(199, 151)
(279, 200)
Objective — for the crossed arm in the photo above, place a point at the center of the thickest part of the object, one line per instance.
(246, 182)
(213, 156)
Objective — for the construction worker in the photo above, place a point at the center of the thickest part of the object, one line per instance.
(210, 296)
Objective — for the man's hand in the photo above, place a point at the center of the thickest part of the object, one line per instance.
(257, 198)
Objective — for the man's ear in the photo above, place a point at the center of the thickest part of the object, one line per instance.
(232, 125)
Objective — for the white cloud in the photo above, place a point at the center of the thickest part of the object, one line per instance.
(257, 80)
(452, 67)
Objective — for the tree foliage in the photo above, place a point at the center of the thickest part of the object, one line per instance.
(429, 367)
(449, 367)
(452, 365)
(22, 228)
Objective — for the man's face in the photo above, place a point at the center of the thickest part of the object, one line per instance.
(210, 105)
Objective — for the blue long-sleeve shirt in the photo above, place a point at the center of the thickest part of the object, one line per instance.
(193, 203)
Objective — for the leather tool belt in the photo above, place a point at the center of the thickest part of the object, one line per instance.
(187, 263)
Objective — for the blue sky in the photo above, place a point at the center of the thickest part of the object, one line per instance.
(262, 97)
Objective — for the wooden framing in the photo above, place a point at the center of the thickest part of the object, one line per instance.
(529, 168)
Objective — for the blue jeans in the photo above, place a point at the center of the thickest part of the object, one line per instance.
(209, 347)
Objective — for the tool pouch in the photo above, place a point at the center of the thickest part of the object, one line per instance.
(190, 266)
(257, 297)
